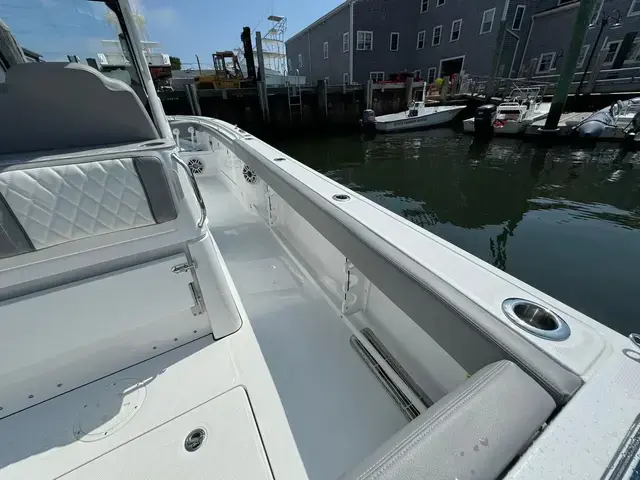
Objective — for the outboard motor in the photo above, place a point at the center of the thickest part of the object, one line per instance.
(369, 123)
(631, 131)
(484, 119)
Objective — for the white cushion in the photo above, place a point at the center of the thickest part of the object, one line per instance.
(63, 203)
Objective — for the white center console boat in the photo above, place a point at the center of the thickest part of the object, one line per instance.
(179, 299)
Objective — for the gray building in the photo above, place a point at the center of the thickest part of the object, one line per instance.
(544, 53)
(362, 39)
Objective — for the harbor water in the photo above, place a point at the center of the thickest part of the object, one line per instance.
(563, 219)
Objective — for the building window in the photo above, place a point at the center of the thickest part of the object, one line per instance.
(394, 41)
(364, 40)
(456, 26)
(583, 56)
(325, 50)
(424, 6)
(431, 75)
(545, 64)
(437, 33)
(634, 54)
(289, 64)
(597, 9)
(345, 78)
(377, 76)
(299, 60)
(634, 9)
(487, 21)
(440, 3)
(420, 43)
(517, 19)
(417, 74)
(345, 42)
(612, 52)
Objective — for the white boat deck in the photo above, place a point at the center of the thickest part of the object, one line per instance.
(337, 410)
(133, 423)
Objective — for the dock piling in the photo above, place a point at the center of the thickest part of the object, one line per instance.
(564, 82)
(261, 83)
(595, 71)
(194, 100)
(369, 94)
(408, 90)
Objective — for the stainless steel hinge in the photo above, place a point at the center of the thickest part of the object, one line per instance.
(196, 294)
(183, 267)
(355, 288)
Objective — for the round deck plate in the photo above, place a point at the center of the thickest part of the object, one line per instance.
(115, 406)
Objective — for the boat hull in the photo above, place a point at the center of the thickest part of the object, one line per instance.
(421, 121)
(509, 127)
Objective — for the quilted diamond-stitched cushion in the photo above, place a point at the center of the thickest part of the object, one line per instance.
(64, 203)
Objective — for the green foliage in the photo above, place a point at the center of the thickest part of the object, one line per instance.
(176, 64)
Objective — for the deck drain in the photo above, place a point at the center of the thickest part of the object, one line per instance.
(194, 440)
(341, 197)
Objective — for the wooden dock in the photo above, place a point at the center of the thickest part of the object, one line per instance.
(568, 122)
(565, 126)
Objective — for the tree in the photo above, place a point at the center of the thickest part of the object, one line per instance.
(176, 64)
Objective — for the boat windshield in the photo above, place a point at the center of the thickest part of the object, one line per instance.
(82, 31)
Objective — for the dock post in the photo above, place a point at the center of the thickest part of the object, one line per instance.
(531, 69)
(261, 87)
(187, 92)
(408, 90)
(568, 71)
(595, 71)
(321, 89)
(195, 100)
(369, 94)
(261, 83)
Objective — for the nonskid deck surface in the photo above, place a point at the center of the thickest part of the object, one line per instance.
(337, 410)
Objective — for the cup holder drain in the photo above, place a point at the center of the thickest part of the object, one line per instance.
(536, 319)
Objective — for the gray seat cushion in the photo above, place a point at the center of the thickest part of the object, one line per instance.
(64, 106)
(473, 432)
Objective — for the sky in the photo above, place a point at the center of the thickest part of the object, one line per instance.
(55, 28)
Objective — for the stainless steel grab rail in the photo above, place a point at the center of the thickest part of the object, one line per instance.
(196, 189)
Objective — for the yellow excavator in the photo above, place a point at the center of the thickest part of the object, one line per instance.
(227, 72)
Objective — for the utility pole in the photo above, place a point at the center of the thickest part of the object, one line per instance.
(569, 68)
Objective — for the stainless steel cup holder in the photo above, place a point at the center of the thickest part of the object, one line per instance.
(536, 319)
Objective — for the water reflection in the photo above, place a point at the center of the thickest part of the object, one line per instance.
(565, 220)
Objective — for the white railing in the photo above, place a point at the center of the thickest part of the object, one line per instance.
(607, 79)
(118, 59)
